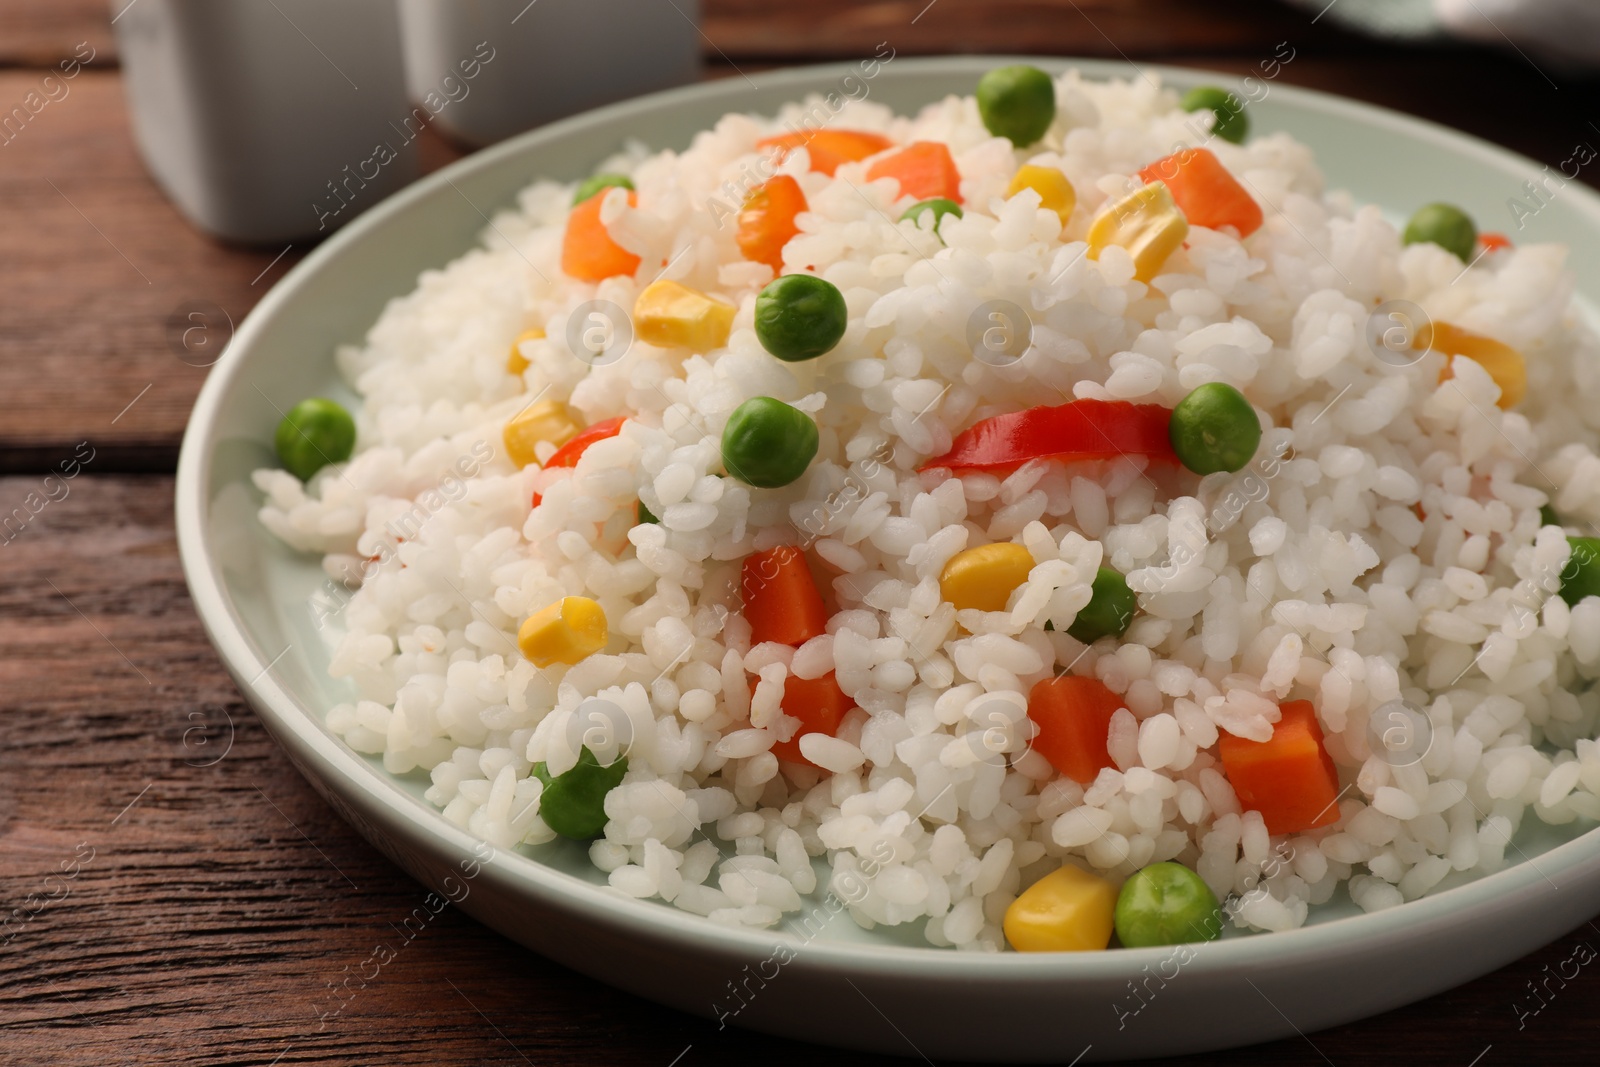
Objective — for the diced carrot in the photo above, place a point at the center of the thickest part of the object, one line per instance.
(1205, 192)
(587, 251)
(1494, 241)
(567, 455)
(1503, 363)
(819, 704)
(766, 223)
(1289, 778)
(1073, 714)
(828, 149)
(781, 601)
(924, 170)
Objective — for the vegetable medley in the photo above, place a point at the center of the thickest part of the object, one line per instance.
(1289, 778)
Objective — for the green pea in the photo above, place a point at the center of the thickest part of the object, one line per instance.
(1017, 102)
(1446, 226)
(799, 317)
(644, 515)
(1548, 516)
(1166, 904)
(938, 207)
(1581, 576)
(573, 803)
(599, 184)
(1232, 123)
(1214, 429)
(767, 443)
(1109, 611)
(315, 433)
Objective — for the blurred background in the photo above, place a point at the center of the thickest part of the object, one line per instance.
(142, 169)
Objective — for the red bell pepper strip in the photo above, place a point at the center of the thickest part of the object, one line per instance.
(1494, 242)
(1079, 430)
(567, 455)
(1205, 192)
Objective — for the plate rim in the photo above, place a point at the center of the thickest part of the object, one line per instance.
(294, 725)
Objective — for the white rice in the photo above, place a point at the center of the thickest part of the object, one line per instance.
(1324, 584)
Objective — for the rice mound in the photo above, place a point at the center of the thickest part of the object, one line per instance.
(1385, 545)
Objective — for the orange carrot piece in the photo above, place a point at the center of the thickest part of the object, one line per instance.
(1290, 778)
(766, 222)
(781, 601)
(1205, 192)
(924, 170)
(819, 704)
(828, 149)
(1073, 714)
(1504, 363)
(1494, 241)
(587, 251)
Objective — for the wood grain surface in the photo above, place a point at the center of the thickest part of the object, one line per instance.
(39, 33)
(171, 892)
(36, 32)
(100, 275)
(179, 895)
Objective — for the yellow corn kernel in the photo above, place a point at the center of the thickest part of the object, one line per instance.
(1069, 910)
(669, 315)
(1055, 191)
(984, 577)
(565, 632)
(516, 363)
(545, 420)
(1146, 222)
(1504, 363)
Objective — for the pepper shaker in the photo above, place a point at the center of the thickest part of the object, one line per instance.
(268, 121)
(534, 61)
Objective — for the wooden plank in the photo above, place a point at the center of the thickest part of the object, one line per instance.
(41, 33)
(95, 261)
(847, 28)
(214, 906)
(102, 276)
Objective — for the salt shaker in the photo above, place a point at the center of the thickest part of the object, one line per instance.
(268, 120)
(533, 61)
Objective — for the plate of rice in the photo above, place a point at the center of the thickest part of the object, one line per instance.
(1018, 558)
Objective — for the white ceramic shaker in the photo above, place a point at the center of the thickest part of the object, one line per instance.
(268, 120)
(533, 62)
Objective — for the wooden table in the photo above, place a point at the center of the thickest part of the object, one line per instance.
(215, 899)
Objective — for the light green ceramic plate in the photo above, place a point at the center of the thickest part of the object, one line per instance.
(844, 986)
